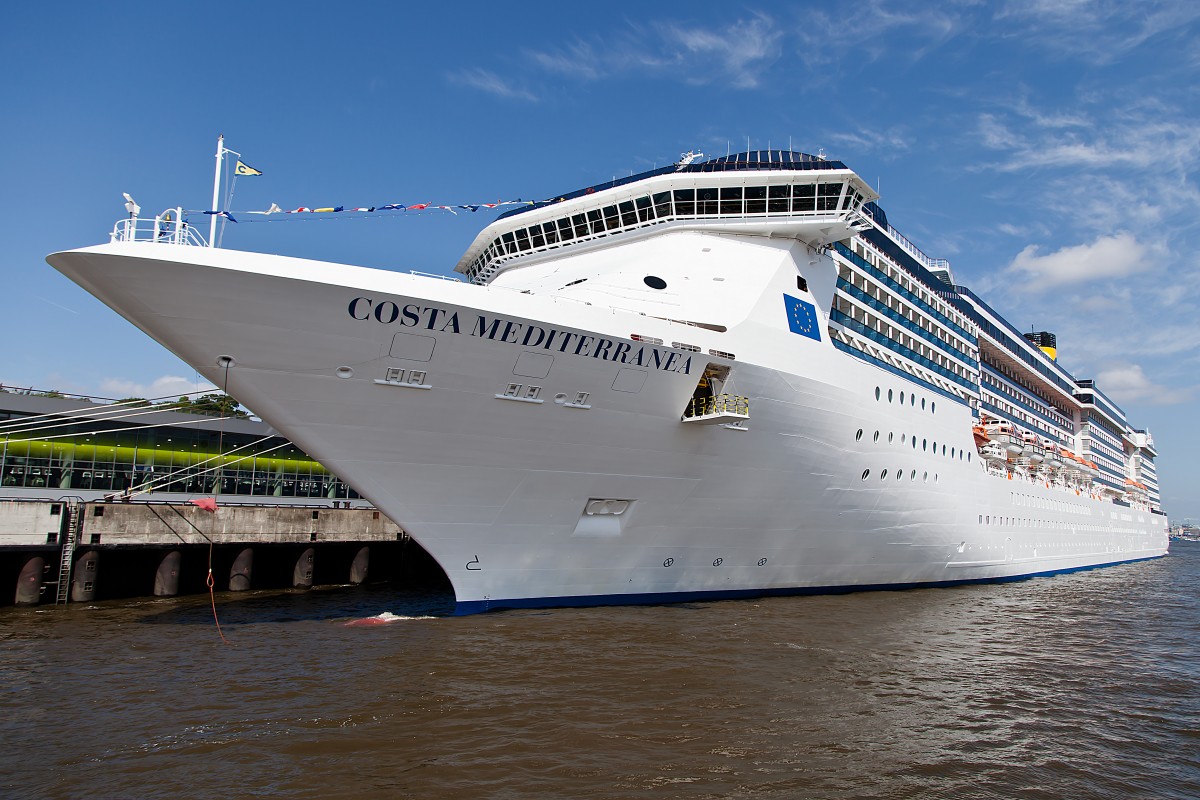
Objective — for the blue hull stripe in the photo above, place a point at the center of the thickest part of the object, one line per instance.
(463, 608)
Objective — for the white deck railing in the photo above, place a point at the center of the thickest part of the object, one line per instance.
(168, 227)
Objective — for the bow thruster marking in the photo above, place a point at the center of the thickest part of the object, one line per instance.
(475, 562)
(668, 562)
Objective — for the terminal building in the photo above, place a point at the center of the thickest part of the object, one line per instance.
(53, 445)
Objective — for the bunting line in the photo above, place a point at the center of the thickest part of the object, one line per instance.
(406, 207)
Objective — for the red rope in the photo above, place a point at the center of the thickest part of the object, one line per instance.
(213, 596)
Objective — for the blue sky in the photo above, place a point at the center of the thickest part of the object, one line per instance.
(1049, 149)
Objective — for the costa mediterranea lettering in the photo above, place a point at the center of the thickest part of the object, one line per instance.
(499, 329)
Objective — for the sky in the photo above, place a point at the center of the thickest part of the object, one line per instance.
(1047, 148)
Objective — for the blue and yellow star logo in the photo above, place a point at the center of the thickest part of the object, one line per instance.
(802, 317)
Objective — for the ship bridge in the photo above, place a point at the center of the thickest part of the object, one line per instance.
(775, 193)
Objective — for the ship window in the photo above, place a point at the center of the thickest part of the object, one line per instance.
(535, 236)
(933, 407)
(889, 395)
(756, 199)
(803, 198)
(645, 211)
(628, 215)
(883, 475)
(924, 444)
(707, 204)
(866, 474)
(913, 475)
(654, 282)
(580, 223)
(778, 199)
(685, 201)
(801, 284)
(550, 232)
(611, 220)
(902, 398)
(731, 200)
(858, 436)
(890, 437)
(596, 221)
(565, 231)
(876, 392)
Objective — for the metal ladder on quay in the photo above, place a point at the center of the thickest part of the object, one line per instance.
(74, 525)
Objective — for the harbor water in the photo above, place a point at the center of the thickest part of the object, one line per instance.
(1084, 685)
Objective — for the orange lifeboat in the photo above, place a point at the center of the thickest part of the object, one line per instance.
(981, 435)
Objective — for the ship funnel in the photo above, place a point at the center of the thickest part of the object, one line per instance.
(1046, 341)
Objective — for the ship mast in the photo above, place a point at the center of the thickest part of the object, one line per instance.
(212, 222)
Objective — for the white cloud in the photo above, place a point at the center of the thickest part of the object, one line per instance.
(1127, 383)
(168, 386)
(490, 82)
(1107, 257)
(735, 54)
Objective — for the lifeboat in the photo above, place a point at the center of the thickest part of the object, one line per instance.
(1052, 457)
(994, 451)
(980, 434)
(1031, 447)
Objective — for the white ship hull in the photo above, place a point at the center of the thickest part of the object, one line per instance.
(594, 491)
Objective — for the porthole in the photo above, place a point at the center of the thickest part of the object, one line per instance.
(883, 475)
(876, 392)
(889, 395)
(876, 437)
(933, 408)
(936, 478)
(858, 436)
(943, 450)
(935, 448)
(890, 437)
(914, 443)
(912, 476)
(904, 438)
(912, 399)
(866, 474)
(924, 444)
(899, 474)
(925, 477)
(902, 398)
(654, 282)
(922, 403)
(952, 452)
(968, 458)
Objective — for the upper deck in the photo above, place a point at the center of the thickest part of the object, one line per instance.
(768, 192)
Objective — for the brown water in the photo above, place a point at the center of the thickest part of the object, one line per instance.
(1077, 686)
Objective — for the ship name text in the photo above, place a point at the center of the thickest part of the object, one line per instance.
(503, 330)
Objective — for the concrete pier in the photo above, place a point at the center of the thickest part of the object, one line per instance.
(131, 549)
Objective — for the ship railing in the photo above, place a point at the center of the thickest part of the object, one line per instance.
(169, 227)
(717, 408)
(420, 274)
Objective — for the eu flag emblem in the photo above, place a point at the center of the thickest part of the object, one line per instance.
(802, 317)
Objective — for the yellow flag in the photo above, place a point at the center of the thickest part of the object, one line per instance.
(245, 169)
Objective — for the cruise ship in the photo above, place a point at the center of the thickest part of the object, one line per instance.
(728, 377)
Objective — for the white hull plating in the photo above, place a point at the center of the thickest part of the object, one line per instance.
(591, 489)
